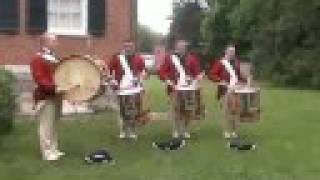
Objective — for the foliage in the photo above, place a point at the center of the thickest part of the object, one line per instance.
(217, 25)
(147, 38)
(282, 38)
(7, 100)
(187, 23)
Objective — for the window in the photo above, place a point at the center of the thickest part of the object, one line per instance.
(9, 16)
(68, 17)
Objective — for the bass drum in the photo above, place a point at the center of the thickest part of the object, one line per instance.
(79, 77)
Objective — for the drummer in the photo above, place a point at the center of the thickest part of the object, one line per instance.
(136, 66)
(226, 71)
(190, 63)
(47, 101)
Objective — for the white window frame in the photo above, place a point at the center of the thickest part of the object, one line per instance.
(81, 32)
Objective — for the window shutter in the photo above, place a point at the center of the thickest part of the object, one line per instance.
(9, 16)
(96, 16)
(37, 16)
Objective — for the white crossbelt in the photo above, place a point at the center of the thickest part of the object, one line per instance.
(128, 75)
(180, 69)
(233, 76)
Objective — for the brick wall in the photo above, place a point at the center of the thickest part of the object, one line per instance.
(120, 16)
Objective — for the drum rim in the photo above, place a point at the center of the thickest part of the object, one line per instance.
(137, 91)
(247, 90)
(74, 56)
(188, 88)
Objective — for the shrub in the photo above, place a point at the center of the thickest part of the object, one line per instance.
(7, 100)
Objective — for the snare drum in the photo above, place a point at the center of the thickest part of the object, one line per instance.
(187, 102)
(131, 105)
(247, 103)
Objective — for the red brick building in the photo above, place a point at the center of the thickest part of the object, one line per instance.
(96, 27)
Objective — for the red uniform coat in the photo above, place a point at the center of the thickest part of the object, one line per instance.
(168, 70)
(42, 73)
(136, 64)
(218, 73)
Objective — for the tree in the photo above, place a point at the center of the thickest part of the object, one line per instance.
(282, 38)
(186, 23)
(217, 27)
(147, 38)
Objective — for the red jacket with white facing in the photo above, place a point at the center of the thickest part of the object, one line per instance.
(218, 73)
(168, 70)
(136, 64)
(43, 75)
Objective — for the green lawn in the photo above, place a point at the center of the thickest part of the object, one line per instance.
(288, 145)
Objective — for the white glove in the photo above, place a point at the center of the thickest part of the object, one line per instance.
(195, 83)
(113, 82)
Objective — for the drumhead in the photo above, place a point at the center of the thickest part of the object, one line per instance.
(79, 77)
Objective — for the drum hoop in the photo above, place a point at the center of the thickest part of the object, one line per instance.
(76, 57)
(187, 89)
(250, 90)
(129, 94)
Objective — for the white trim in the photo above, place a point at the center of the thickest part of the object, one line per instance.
(182, 73)
(231, 71)
(17, 68)
(85, 15)
(128, 75)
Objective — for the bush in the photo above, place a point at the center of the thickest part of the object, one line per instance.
(7, 100)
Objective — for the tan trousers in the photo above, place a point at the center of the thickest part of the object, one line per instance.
(48, 116)
(179, 126)
(126, 127)
(229, 120)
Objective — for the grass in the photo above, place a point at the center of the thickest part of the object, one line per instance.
(287, 137)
